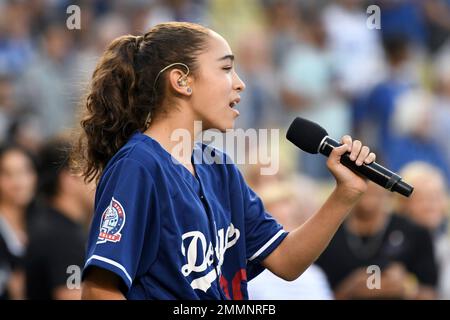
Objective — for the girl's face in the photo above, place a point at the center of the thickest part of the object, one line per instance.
(17, 178)
(216, 86)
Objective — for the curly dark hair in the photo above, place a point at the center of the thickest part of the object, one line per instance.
(123, 90)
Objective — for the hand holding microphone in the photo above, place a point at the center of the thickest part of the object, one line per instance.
(358, 154)
(312, 138)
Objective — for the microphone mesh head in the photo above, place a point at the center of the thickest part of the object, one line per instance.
(306, 135)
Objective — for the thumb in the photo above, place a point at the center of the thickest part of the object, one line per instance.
(339, 151)
(346, 146)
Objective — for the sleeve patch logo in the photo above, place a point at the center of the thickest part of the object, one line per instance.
(112, 222)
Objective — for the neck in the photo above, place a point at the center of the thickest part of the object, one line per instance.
(367, 226)
(15, 215)
(69, 207)
(175, 129)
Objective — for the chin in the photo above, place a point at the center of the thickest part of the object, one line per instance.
(22, 202)
(220, 123)
(229, 126)
(224, 126)
(222, 129)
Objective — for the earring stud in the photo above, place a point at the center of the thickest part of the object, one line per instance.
(189, 90)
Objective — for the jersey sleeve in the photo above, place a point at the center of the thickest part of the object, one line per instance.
(124, 235)
(263, 233)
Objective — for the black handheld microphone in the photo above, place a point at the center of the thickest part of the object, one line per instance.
(312, 138)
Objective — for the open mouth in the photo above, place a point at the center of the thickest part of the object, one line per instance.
(232, 105)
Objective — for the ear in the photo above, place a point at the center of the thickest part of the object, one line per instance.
(179, 82)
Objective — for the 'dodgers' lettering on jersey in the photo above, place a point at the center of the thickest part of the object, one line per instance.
(196, 241)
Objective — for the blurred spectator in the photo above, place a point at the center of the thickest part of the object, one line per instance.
(47, 85)
(307, 88)
(16, 47)
(104, 29)
(356, 48)
(291, 208)
(372, 117)
(261, 103)
(429, 207)
(426, 23)
(372, 236)
(176, 10)
(25, 131)
(57, 238)
(410, 126)
(17, 187)
(17, 124)
(405, 18)
(437, 14)
(282, 27)
(440, 114)
(7, 105)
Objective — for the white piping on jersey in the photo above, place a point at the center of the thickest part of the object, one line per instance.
(111, 262)
(268, 243)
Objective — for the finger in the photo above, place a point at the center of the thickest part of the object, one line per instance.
(356, 149)
(347, 140)
(362, 155)
(371, 158)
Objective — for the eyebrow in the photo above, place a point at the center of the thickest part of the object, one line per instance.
(228, 56)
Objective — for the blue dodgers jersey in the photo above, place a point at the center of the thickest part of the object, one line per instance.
(170, 235)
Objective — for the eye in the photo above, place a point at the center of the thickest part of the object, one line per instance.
(227, 68)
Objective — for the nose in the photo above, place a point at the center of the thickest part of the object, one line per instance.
(239, 85)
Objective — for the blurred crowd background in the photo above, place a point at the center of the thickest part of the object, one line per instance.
(389, 87)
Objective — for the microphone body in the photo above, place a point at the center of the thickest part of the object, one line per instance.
(312, 138)
(372, 171)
